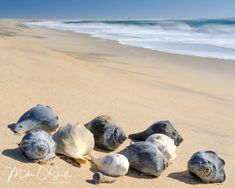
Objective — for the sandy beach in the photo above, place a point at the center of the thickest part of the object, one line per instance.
(82, 77)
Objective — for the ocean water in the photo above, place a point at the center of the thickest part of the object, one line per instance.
(214, 38)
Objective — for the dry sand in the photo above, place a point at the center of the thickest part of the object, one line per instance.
(82, 77)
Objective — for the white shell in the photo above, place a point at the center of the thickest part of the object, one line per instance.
(113, 164)
(165, 144)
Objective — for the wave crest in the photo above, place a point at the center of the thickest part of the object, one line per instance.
(201, 37)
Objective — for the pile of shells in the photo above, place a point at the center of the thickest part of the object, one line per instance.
(150, 152)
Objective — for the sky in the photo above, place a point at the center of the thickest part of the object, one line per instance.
(116, 9)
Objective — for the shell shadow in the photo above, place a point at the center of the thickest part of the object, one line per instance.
(93, 169)
(136, 174)
(102, 150)
(69, 160)
(15, 154)
(90, 181)
(185, 177)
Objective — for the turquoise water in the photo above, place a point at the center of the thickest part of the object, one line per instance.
(213, 38)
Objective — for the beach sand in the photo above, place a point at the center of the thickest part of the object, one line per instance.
(82, 77)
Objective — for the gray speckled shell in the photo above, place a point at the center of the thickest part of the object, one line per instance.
(38, 117)
(146, 158)
(107, 134)
(38, 145)
(207, 166)
(162, 127)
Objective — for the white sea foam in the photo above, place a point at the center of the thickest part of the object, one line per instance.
(205, 38)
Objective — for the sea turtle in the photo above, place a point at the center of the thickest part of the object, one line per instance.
(163, 127)
(38, 117)
(107, 134)
(74, 141)
(146, 158)
(207, 166)
(38, 146)
(165, 144)
(112, 164)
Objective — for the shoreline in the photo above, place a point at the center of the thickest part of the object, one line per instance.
(205, 49)
(217, 60)
(196, 58)
(82, 77)
(211, 64)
